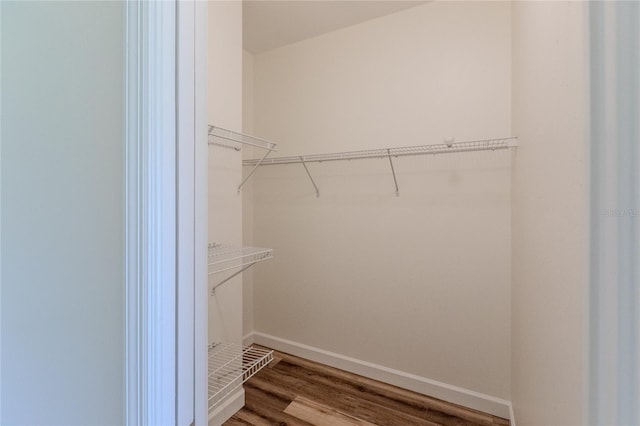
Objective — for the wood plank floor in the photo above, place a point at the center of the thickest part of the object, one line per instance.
(294, 391)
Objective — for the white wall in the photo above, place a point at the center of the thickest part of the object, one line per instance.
(225, 173)
(225, 166)
(549, 213)
(62, 213)
(247, 189)
(421, 282)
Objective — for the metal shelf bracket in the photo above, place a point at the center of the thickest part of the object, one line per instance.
(244, 268)
(393, 171)
(309, 174)
(229, 135)
(224, 258)
(254, 169)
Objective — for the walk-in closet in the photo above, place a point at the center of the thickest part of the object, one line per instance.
(362, 158)
(319, 213)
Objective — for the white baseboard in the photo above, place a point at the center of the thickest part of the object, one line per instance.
(457, 395)
(512, 416)
(227, 409)
(248, 339)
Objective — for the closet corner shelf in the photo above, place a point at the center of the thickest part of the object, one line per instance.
(241, 138)
(230, 365)
(223, 257)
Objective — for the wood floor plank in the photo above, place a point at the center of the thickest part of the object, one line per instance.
(262, 405)
(321, 415)
(392, 396)
(275, 361)
(235, 421)
(295, 391)
(273, 389)
(499, 421)
(249, 417)
(341, 401)
(375, 396)
(273, 398)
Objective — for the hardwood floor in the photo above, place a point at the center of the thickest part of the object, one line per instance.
(294, 391)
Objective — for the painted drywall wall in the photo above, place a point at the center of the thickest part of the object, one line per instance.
(247, 190)
(225, 204)
(419, 283)
(225, 173)
(549, 213)
(62, 213)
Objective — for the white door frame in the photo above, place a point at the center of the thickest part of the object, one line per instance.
(166, 213)
(186, 131)
(614, 311)
(150, 146)
(201, 174)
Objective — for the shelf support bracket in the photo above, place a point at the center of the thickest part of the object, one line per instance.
(309, 174)
(213, 290)
(254, 169)
(393, 171)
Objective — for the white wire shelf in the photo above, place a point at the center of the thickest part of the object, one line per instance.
(444, 148)
(223, 257)
(388, 153)
(218, 133)
(230, 365)
(241, 138)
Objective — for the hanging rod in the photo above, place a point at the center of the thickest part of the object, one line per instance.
(229, 135)
(404, 151)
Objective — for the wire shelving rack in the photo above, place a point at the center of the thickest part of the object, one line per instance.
(222, 257)
(230, 365)
(403, 151)
(388, 153)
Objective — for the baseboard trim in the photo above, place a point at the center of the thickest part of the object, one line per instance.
(450, 393)
(512, 416)
(227, 409)
(248, 339)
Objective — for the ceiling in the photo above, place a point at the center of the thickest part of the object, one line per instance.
(268, 24)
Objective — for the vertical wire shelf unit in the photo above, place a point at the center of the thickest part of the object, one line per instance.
(229, 364)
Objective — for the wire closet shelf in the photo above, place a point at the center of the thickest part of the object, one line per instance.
(239, 138)
(388, 153)
(230, 365)
(222, 257)
(218, 133)
(403, 151)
